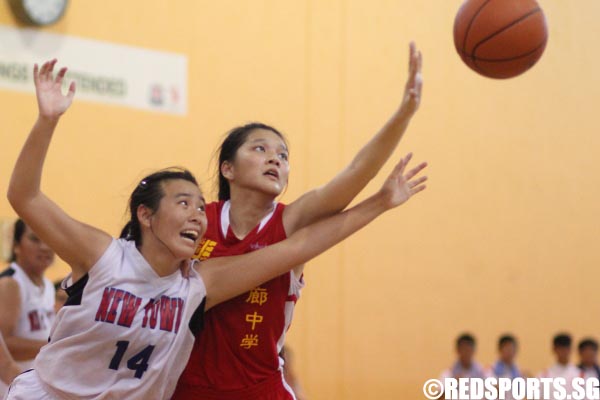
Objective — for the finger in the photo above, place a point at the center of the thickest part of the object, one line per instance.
(36, 71)
(411, 56)
(417, 182)
(60, 75)
(410, 174)
(71, 92)
(43, 69)
(417, 189)
(51, 68)
(397, 171)
(46, 68)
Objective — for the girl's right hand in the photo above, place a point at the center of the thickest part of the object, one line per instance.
(51, 102)
(400, 186)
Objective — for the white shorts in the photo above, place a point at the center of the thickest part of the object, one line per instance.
(28, 386)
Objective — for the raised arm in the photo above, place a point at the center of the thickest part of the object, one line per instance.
(78, 244)
(226, 277)
(339, 192)
(8, 368)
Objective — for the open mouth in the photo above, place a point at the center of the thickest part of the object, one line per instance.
(190, 235)
(272, 173)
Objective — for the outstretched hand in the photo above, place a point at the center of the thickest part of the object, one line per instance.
(401, 186)
(414, 84)
(51, 102)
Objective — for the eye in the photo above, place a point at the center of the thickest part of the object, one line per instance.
(202, 208)
(260, 148)
(184, 202)
(283, 156)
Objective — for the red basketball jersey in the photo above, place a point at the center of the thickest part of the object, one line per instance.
(238, 350)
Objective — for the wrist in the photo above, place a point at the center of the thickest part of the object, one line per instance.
(405, 113)
(379, 203)
(47, 120)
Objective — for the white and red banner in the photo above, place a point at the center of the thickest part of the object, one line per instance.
(105, 72)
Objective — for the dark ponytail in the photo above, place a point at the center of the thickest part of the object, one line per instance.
(149, 193)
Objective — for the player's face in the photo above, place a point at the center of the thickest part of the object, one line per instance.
(32, 254)
(180, 221)
(261, 164)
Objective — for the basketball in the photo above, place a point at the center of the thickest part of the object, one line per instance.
(500, 38)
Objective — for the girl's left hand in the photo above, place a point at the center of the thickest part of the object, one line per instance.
(51, 102)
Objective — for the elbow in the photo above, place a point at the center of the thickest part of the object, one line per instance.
(12, 196)
(16, 197)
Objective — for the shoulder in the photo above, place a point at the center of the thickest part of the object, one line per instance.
(114, 254)
(213, 210)
(214, 207)
(9, 287)
(8, 272)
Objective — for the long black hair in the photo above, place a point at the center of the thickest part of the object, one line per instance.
(233, 141)
(18, 232)
(149, 192)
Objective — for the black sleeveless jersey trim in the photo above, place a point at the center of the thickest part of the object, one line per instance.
(197, 322)
(75, 291)
(7, 272)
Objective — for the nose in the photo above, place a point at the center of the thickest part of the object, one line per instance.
(197, 215)
(274, 159)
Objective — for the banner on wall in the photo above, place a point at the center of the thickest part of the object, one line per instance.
(104, 72)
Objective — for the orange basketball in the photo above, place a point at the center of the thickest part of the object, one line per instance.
(500, 38)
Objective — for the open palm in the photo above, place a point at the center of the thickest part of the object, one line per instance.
(400, 186)
(51, 102)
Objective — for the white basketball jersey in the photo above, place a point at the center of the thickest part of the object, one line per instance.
(37, 310)
(124, 333)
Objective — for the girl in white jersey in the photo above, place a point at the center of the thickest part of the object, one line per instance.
(8, 367)
(134, 304)
(26, 297)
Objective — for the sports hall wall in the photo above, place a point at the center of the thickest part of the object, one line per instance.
(505, 238)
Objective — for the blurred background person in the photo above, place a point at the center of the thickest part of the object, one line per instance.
(563, 368)
(8, 367)
(465, 366)
(26, 297)
(588, 358)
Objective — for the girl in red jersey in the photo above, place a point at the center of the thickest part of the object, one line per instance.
(237, 354)
(135, 303)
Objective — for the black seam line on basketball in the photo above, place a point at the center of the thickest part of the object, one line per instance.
(483, 70)
(528, 53)
(499, 31)
(464, 47)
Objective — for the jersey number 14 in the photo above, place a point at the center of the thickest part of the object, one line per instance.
(137, 363)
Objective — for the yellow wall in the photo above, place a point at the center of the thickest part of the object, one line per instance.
(504, 239)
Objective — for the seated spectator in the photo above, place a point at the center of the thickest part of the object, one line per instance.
(465, 365)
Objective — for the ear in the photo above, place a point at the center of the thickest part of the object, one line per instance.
(17, 249)
(227, 170)
(144, 215)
